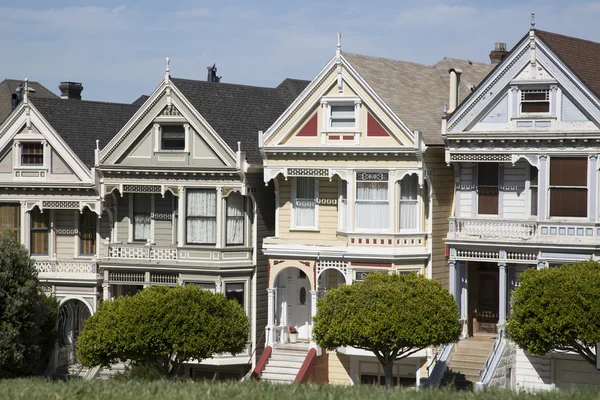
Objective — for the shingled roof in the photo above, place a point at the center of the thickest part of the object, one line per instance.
(238, 112)
(80, 122)
(7, 88)
(416, 93)
(581, 56)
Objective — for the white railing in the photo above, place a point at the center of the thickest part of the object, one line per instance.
(65, 267)
(492, 228)
(143, 252)
(487, 372)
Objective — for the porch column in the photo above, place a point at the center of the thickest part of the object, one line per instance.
(464, 297)
(106, 295)
(452, 278)
(313, 312)
(270, 317)
(502, 294)
(181, 213)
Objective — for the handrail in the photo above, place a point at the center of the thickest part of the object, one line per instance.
(436, 373)
(255, 348)
(262, 363)
(435, 358)
(304, 374)
(491, 356)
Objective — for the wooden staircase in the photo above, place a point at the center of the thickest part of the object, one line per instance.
(467, 359)
(285, 363)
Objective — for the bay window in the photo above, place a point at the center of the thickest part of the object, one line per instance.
(568, 186)
(201, 216)
(235, 219)
(87, 232)
(372, 205)
(487, 188)
(141, 217)
(409, 205)
(40, 232)
(305, 203)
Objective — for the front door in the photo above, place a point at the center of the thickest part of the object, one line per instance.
(299, 303)
(483, 297)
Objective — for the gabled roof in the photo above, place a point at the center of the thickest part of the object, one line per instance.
(7, 88)
(581, 56)
(80, 122)
(238, 112)
(416, 93)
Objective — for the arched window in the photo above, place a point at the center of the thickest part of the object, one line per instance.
(409, 204)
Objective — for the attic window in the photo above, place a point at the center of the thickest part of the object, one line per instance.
(172, 137)
(343, 116)
(32, 154)
(535, 101)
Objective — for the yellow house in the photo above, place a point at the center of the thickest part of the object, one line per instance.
(357, 164)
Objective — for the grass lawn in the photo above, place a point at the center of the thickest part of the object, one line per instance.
(33, 389)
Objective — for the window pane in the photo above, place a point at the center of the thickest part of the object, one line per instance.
(535, 107)
(305, 202)
(39, 232)
(10, 217)
(342, 116)
(488, 200)
(534, 200)
(141, 217)
(201, 216)
(487, 174)
(568, 171)
(533, 175)
(87, 232)
(409, 186)
(32, 153)
(235, 291)
(172, 137)
(235, 219)
(568, 202)
(372, 206)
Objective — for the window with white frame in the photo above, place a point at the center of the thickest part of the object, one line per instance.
(172, 137)
(342, 116)
(32, 154)
(141, 216)
(87, 232)
(235, 219)
(235, 291)
(372, 205)
(535, 101)
(305, 203)
(409, 204)
(533, 189)
(343, 206)
(201, 216)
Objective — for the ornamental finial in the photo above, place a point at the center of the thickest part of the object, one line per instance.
(532, 20)
(167, 70)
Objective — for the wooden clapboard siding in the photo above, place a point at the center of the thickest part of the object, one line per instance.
(466, 186)
(514, 194)
(66, 223)
(163, 227)
(122, 219)
(339, 368)
(442, 179)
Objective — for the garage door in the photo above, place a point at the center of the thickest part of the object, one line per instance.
(576, 373)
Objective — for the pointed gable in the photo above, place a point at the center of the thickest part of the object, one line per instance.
(8, 87)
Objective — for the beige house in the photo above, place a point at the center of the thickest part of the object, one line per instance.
(357, 162)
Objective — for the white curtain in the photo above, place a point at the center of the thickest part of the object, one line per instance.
(343, 208)
(235, 218)
(372, 205)
(201, 216)
(409, 205)
(304, 205)
(141, 216)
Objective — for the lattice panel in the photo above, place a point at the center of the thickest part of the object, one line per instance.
(44, 266)
(117, 276)
(163, 253)
(341, 266)
(60, 205)
(308, 172)
(481, 157)
(76, 268)
(141, 189)
(128, 252)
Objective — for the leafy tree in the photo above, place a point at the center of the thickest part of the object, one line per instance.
(27, 316)
(558, 309)
(163, 327)
(393, 316)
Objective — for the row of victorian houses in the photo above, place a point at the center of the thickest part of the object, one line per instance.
(467, 173)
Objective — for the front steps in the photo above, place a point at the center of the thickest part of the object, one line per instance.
(285, 363)
(71, 372)
(467, 359)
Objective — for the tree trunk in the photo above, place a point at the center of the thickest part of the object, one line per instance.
(388, 370)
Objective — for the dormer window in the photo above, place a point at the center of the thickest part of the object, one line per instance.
(172, 137)
(535, 101)
(32, 154)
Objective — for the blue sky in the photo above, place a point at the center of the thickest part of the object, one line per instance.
(117, 48)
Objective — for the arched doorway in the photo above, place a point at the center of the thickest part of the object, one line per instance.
(293, 302)
(71, 316)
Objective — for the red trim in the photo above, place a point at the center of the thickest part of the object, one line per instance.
(334, 137)
(374, 128)
(262, 363)
(310, 128)
(303, 374)
(347, 137)
(363, 264)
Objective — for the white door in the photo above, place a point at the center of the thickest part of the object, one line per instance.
(299, 302)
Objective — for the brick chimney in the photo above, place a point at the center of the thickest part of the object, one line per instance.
(70, 90)
(499, 53)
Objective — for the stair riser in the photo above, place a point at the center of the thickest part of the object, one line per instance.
(281, 370)
(282, 363)
(290, 359)
(472, 352)
(277, 377)
(469, 358)
(460, 365)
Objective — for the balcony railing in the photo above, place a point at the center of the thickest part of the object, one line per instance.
(143, 252)
(57, 268)
(487, 229)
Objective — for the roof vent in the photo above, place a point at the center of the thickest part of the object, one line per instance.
(212, 74)
(70, 90)
(499, 53)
